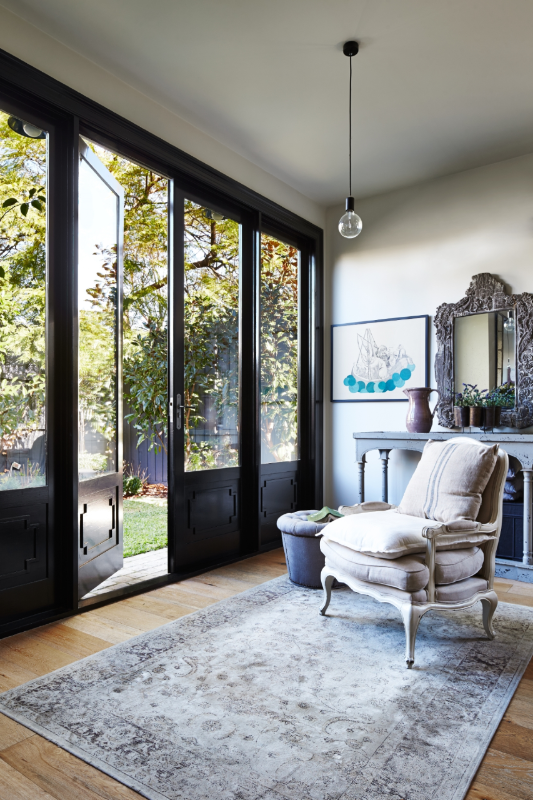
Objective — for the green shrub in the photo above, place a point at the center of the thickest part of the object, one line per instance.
(132, 485)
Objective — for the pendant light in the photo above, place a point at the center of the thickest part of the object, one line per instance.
(508, 325)
(350, 224)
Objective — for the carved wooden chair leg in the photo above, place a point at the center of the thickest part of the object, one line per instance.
(327, 583)
(489, 604)
(411, 617)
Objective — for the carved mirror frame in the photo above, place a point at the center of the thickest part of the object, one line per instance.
(487, 293)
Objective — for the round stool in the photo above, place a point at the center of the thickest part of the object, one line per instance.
(305, 560)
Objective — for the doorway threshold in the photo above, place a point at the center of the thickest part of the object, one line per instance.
(136, 569)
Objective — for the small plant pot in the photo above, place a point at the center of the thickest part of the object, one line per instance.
(490, 417)
(476, 416)
(461, 416)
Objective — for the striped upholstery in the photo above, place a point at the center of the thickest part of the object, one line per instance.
(449, 481)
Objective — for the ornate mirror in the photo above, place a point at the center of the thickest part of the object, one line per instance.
(486, 339)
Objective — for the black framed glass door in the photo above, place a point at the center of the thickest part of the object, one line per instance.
(26, 342)
(100, 279)
(244, 336)
(207, 403)
(280, 361)
(61, 459)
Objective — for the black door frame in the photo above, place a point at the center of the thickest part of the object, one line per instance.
(23, 85)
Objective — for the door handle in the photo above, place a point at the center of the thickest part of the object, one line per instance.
(179, 409)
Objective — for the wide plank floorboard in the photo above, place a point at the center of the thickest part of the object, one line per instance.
(31, 768)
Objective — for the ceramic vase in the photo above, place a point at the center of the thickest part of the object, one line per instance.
(419, 415)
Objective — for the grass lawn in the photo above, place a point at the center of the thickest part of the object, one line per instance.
(145, 525)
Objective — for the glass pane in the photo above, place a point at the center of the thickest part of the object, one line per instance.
(23, 171)
(211, 413)
(97, 305)
(279, 351)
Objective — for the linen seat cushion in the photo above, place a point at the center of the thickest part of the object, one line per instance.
(449, 481)
(408, 573)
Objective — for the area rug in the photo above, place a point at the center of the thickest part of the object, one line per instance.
(259, 697)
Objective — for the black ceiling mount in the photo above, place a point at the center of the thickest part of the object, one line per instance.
(350, 48)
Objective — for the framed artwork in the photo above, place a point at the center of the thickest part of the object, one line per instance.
(375, 360)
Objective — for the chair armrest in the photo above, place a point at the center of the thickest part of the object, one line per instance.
(454, 533)
(362, 508)
(458, 528)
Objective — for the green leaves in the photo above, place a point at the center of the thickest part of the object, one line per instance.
(11, 201)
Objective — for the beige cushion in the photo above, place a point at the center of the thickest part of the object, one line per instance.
(408, 573)
(449, 481)
(452, 566)
(456, 592)
(387, 534)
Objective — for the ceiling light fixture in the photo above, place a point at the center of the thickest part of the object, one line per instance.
(508, 325)
(26, 128)
(350, 224)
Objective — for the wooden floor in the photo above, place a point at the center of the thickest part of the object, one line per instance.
(32, 768)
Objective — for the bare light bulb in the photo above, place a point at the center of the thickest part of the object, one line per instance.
(350, 224)
(509, 323)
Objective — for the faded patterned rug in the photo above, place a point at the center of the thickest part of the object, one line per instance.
(259, 696)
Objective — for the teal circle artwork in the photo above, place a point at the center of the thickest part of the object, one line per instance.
(396, 381)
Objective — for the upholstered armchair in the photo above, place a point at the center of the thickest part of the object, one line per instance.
(417, 563)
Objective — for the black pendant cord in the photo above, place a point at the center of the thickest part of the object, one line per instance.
(350, 129)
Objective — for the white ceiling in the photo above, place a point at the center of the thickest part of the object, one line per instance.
(439, 85)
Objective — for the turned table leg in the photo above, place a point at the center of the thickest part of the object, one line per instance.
(384, 455)
(361, 472)
(528, 529)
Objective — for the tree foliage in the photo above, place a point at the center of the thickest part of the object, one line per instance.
(22, 288)
(279, 350)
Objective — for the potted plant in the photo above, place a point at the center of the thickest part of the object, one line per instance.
(461, 411)
(493, 408)
(473, 399)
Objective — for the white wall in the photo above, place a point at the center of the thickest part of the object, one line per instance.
(31, 45)
(419, 248)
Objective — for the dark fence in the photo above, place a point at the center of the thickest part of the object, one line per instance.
(140, 458)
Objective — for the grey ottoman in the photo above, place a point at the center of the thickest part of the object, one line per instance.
(305, 560)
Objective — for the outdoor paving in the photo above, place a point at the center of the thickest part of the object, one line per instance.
(135, 569)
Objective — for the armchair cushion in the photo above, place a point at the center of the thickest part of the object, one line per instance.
(449, 481)
(408, 573)
(387, 534)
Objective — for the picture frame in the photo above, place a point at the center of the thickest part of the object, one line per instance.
(375, 360)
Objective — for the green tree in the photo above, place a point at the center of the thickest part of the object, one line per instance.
(279, 350)
(22, 285)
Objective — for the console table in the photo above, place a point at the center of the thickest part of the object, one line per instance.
(519, 445)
